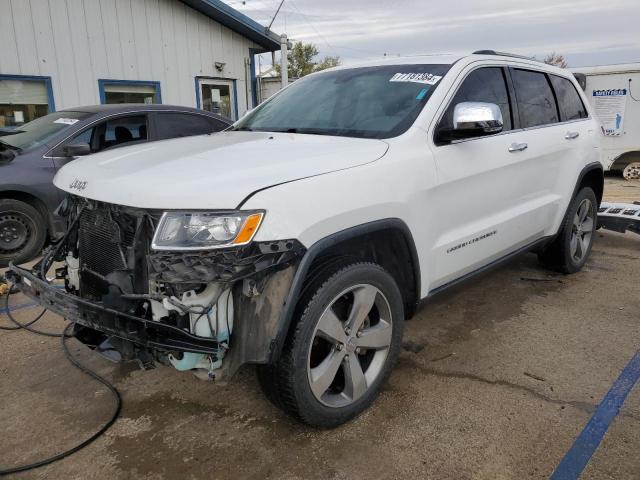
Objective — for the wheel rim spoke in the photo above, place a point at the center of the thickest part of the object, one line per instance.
(376, 337)
(331, 328)
(578, 254)
(363, 300)
(355, 381)
(323, 375)
(587, 225)
(574, 245)
(583, 210)
(584, 244)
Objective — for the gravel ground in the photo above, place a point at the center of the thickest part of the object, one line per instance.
(496, 379)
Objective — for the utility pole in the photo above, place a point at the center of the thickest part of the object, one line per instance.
(284, 60)
(284, 46)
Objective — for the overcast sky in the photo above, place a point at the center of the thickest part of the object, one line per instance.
(587, 32)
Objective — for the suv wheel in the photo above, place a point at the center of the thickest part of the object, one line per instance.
(342, 349)
(22, 232)
(569, 251)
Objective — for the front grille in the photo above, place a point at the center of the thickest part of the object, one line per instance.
(104, 235)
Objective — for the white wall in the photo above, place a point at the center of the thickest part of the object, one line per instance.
(76, 42)
(607, 77)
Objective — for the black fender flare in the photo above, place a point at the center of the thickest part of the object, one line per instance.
(286, 315)
(586, 169)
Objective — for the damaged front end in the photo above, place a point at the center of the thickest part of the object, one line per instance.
(206, 310)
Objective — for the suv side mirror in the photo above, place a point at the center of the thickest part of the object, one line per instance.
(473, 119)
(76, 150)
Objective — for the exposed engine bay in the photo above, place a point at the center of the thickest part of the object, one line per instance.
(131, 302)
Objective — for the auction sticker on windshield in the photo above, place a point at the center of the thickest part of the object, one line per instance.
(425, 78)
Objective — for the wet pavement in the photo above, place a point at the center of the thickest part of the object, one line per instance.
(495, 381)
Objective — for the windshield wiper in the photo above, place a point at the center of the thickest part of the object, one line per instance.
(305, 131)
(241, 129)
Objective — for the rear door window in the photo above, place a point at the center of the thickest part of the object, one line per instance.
(482, 85)
(569, 101)
(536, 103)
(174, 124)
(122, 130)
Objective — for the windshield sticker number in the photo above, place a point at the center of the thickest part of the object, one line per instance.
(425, 78)
(66, 121)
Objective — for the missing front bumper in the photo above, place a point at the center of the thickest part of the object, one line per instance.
(142, 332)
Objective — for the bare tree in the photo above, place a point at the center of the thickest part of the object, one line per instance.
(556, 59)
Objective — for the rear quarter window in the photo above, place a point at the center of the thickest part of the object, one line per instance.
(569, 101)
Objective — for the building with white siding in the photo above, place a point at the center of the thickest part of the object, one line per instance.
(57, 54)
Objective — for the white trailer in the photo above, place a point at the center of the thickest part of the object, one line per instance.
(614, 92)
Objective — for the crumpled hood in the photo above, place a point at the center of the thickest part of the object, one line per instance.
(210, 171)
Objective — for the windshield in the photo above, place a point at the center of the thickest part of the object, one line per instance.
(366, 102)
(39, 131)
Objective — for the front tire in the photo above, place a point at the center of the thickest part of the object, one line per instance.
(22, 232)
(570, 249)
(342, 348)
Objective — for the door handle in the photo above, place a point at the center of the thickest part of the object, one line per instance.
(571, 135)
(517, 147)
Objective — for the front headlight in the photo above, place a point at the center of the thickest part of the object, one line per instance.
(205, 230)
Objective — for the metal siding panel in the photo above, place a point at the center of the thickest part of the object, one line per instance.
(156, 52)
(231, 69)
(87, 91)
(64, 53)
(45, 46)
(141, 36)
(171, 81)
(193, 43)
(9, 61)
(127, 41)
(184, 75)
(25, 38)
(113, 47)
(96, 43)
(206, 45)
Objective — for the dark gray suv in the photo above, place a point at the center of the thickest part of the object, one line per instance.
(31, 154)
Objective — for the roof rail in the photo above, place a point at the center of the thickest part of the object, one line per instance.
(505, 54)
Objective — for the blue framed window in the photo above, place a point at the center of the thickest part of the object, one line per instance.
(129, 91)
(217, 95)
(24, 98)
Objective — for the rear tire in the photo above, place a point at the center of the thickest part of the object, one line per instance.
(334, 361)
(570, 249)
(22, 232)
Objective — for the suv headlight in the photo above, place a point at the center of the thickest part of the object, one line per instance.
(205, 230)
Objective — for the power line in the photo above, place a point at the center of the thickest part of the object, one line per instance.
(323, 38)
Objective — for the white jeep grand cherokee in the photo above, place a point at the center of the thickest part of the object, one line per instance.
(303, 237)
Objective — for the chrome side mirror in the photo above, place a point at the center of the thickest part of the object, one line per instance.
(471, 119)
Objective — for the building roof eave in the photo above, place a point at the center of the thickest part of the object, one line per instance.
(238, 22)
